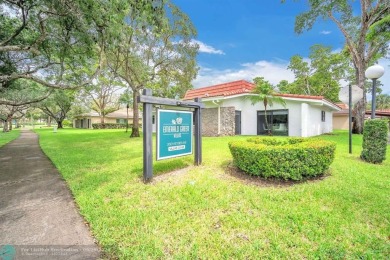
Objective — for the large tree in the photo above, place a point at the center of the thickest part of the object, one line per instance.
(59, 44)
(320, 76)
(157, 55)
(49, 42)
(17, 98)
(102, 95)
(58, 105)
(354, 25)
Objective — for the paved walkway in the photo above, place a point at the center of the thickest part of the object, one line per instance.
(38, 217)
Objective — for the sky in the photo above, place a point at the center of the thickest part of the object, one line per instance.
(244, 39)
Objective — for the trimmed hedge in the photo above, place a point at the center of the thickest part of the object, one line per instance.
(289, 159)
(109, 126)
(67, 123)
(374, 141)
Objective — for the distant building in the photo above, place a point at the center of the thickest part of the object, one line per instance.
(340, 118)
(229, 112)
(117, 117)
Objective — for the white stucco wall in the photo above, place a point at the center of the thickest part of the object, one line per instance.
(315, 125)
(304, 119)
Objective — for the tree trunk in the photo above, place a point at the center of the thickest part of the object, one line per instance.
(265, 102)
(49, 121)
(360, 108)
(5, 127)
(266, 121)
(59, 124)
(127, 118)
(10, 123)
(135, 128)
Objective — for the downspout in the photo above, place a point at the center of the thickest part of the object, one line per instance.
(219, 116)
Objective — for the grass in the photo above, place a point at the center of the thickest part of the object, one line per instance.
(203, 212)
(8, 136)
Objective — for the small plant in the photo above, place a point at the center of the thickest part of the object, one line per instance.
(374, 141)
(289, 159)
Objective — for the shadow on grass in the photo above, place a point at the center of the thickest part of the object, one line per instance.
(165, 168)
(239, 175)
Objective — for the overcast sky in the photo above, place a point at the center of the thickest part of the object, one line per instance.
(244, 39)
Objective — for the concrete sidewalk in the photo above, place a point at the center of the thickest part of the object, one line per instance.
(38, 217)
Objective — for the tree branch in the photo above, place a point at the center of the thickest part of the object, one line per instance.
(13, 103)
(348, 38)
(21, 28)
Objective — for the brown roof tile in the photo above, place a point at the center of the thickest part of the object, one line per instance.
(225, 89)
(300, 96)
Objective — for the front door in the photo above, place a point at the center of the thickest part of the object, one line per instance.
(238, 122)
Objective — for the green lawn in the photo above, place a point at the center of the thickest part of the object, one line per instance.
(8, 136)
(203, 212)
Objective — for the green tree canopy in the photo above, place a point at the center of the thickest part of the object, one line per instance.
(157, 57)
(354, 23)
(318, 76)
(58, 104)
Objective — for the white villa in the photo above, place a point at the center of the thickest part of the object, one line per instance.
(230, 112)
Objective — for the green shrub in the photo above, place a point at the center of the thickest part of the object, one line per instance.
(289, 159)
(109, 126)
(374, 141)
(67, 123)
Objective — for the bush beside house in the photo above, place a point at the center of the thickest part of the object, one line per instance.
(289, 159)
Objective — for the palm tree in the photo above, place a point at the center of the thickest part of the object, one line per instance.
(383, 101)
(265, 92)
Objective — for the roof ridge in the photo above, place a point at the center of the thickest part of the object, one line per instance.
(223, 89)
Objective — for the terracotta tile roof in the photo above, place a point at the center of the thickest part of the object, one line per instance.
(225, 89)
(342, 106)
(300, 96)
(344, 110)
(382, 112)
(235, 88)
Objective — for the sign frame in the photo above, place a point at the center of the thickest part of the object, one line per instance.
(149, 101)
(159, 138)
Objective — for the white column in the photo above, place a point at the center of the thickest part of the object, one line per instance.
(304, 119)
(219, 119)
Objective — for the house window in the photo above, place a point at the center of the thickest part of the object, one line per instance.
(322, 116)
(121, 121)
(276, 123)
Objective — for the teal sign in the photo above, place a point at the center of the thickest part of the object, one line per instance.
(174, 133)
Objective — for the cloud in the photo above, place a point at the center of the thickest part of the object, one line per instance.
(207, 48)
(325, 32)
(274, 72)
